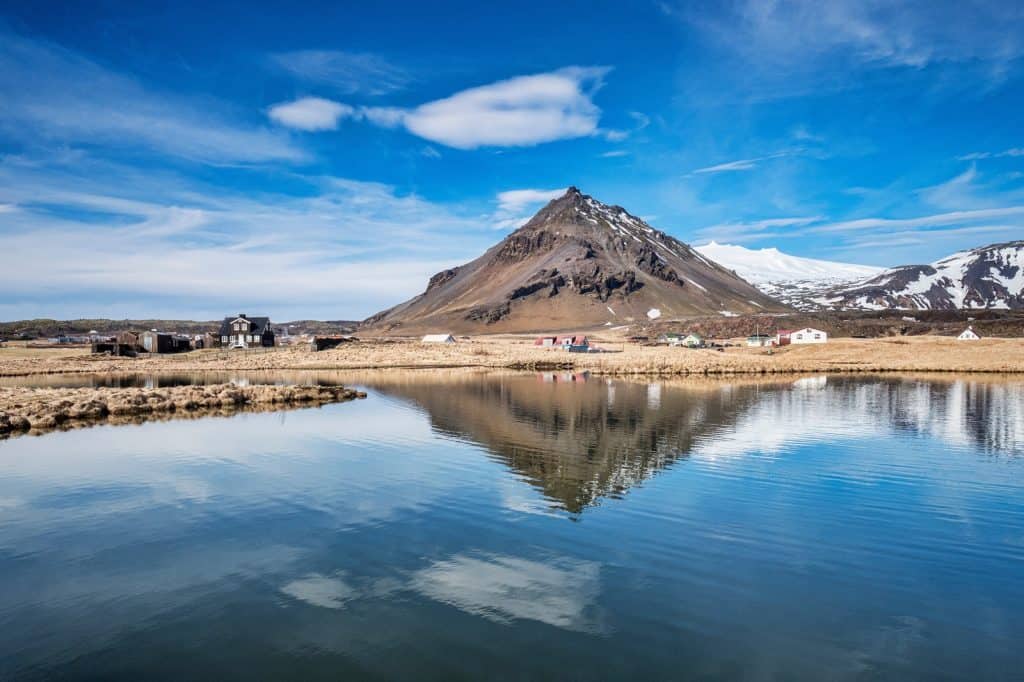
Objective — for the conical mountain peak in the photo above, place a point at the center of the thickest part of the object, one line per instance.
(577, 263)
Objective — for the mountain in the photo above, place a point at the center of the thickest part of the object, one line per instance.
(793, 280)
(987, 277)
(577, 263)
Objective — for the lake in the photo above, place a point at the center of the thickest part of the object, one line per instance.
(463, 525)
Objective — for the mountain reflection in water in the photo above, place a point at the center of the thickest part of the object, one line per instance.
(579, 438)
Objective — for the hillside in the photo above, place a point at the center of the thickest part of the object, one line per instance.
(989, 277)
(578, 263)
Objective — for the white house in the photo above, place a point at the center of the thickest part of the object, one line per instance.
(786, 337)
(438, 338)
(968, 335)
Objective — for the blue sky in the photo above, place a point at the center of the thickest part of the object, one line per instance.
(322, 160)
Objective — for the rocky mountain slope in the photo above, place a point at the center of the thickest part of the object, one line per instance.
(987, 277)
(578, 263)
(794, 280)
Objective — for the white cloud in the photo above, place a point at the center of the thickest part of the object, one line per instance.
(54, 94)
(518, 112)
(310, 113)
(517, 206)
(521, 111)
(344, 72)
(614, 154)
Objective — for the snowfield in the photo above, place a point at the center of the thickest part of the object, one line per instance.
(796, 281)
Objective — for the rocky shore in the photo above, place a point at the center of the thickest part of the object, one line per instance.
(24, 410)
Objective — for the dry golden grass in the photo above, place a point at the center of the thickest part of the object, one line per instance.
(20, 350)
(906, 354)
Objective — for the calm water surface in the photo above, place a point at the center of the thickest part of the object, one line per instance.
(468, 526)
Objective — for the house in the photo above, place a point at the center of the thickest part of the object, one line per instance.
(759, 340)
(163, 342)
(438, 338)
(570, 341)
(969, 335)
(671, 338)
(246, 332)
(546, 341)
(690, 341)
(786, 337)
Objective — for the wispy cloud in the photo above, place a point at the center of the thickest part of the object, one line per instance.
(740, 165)
(54, 94)
(740, 232)
(977, 156)
(872, 32)
(518, 112)
(517, 206)
(934, 220)
(743, 164)
(344, 72)
(343, 248)
(615, 153)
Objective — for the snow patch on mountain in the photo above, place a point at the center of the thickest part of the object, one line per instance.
(794, 280)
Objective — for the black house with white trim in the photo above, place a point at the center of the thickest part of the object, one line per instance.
(246, 332)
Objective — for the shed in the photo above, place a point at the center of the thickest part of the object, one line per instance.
(162, 342)
(438, 338)
(759, 340)
(546, 341)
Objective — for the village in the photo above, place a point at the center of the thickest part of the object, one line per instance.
(247, 342)
(243, 332)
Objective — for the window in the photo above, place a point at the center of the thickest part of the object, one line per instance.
(817, 336)
(223, 339)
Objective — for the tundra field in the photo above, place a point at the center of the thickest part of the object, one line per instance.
(898, 354)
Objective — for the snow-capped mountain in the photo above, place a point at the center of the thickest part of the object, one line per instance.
(793, 280)
(987, 277)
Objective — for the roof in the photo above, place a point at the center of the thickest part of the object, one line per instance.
(258, 325)
(437, 337)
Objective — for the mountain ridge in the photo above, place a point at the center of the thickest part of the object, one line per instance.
(985, 277)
